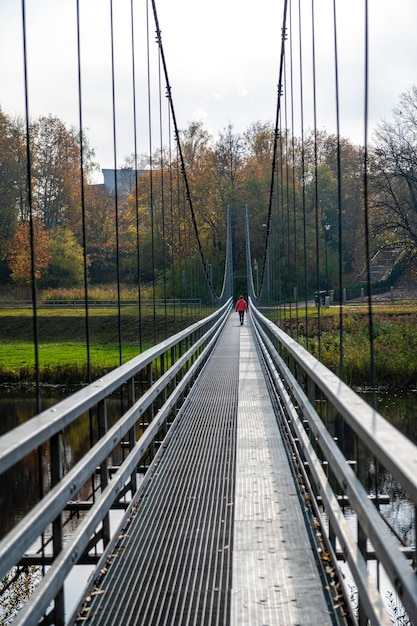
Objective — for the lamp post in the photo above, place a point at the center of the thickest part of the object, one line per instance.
(327, 227)
(255, 267)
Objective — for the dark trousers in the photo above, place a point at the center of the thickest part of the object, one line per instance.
(241, 316)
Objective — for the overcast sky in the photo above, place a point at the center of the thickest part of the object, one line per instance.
(223, 63)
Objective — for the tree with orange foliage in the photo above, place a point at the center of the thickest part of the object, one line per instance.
(20, 258)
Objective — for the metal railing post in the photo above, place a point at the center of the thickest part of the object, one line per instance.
(362, 539)
(151, 410)
(57, 524)
(132, 434)
(104, 472)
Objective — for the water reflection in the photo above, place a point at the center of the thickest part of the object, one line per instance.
(25, 483)
(17, 406)
(399, 408)
(21, 486)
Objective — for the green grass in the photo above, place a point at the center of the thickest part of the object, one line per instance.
(394, 341)
(63, 354)
(22, 354)
(62, 341)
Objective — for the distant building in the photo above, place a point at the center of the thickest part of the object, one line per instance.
(125, 180)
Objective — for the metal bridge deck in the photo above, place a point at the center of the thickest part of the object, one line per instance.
(219, 535)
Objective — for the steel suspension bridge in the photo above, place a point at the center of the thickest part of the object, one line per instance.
(245, 475)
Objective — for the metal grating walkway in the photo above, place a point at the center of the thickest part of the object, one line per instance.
(218, 537)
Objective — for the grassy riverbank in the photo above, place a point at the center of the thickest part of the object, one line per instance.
(62, 341)
(394, 341)
(63, 354)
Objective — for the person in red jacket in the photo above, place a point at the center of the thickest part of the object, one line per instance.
(241, 308)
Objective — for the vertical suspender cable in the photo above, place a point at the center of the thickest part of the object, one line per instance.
(179, 238)
(185, 262)
(294, 203)
(83, 216)
(179, 232)
(280, 230)
(151, 208)
(171, 211)
(339, 196)
(162, 165)
(316, 198)
(33, 262)
(179, 148)
(366, 210)
(135, 140)
(116, 201)
(275, 149)
(84, 230)
(303, 182)
(31, 216)
(287, 294)
(367, 246)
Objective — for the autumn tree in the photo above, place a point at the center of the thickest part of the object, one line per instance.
(199, 151)
(229, 158)
(8, 187)
(100, 233)
(29, 242)
(66, 262)
(56, 171)
(258, 146)
(147, 230)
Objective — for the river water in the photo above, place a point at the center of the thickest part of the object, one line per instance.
(19, 488)
(17, 406)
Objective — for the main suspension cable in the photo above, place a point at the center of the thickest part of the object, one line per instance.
(275, 148)
(180, 152)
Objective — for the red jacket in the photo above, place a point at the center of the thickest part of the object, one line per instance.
(241, 305)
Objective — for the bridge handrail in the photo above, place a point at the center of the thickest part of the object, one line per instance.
(16, 444)
(387, 443)
(397, 454)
